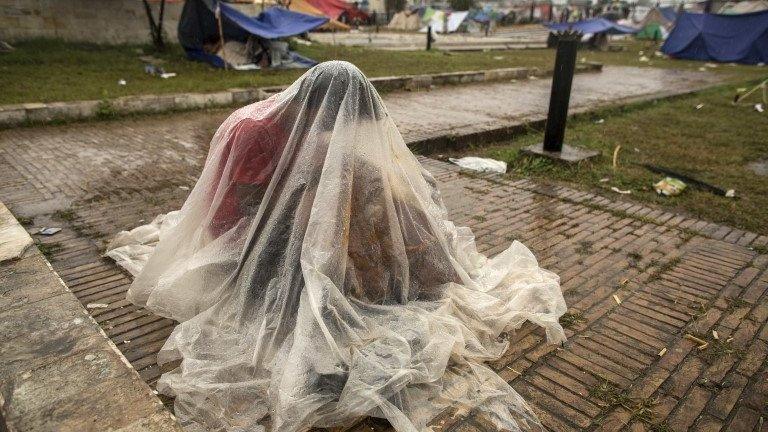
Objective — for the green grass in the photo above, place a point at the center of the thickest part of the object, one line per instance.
(713, 144)
(49, 70)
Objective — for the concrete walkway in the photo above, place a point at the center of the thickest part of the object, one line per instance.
(637, 280)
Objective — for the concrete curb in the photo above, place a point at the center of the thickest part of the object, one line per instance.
(42, 113)
(58, 369)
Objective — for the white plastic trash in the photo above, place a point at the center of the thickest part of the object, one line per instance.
(480, 164)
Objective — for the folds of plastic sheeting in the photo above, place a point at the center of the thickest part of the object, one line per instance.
(331, 8)
(274, 22)
(591, 26)
(657, 23)
(317, 278)
(742, 7)
(303, 6)
(722, 38)
(438, 20)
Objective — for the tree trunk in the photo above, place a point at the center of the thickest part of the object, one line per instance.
(156, 28)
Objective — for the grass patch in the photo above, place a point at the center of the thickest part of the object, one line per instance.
(713, 144)
(641, 410)
(48, 249)
(570, 320)
(25, 221)
(66, 215)
(92, 72)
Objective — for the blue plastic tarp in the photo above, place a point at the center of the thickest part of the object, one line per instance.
(669, 13)
(274, 22)
(723, 38)
(594, 25)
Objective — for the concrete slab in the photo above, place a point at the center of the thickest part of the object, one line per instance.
(569, 154)
(14, 239)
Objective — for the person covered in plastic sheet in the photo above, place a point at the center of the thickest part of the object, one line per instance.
(317, 279)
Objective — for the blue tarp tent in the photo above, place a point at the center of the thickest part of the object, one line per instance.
(591, 26)
(198, 25)
(669, 12)
(723, 38)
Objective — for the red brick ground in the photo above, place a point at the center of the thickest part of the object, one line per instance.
(672, 276)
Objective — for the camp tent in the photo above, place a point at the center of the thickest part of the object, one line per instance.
(657, 23)
(724, 38)
(198, 25)
(303, 6)
(405, 20)
(437, 20)
(331, 8)
(742, 7)
(592, 26)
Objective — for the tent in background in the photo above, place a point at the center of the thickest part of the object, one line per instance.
(742, 7)
(724, 38)
(198, 26)
(303, 6)
(455, 19)
(592, 26)
(657, 23)
(405, 20)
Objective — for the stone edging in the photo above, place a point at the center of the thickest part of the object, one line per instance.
(58, 369)
(41, 113)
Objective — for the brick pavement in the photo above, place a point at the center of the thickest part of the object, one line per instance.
(636, 279)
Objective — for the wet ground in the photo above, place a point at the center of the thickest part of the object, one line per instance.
(636, 279)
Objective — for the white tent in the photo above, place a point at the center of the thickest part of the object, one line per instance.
(454, 21)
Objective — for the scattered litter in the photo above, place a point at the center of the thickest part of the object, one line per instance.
(702, 344)
(618, 300)
(513, 80)
(623, 192)
(498, 57)
(533, 77)
(710, 65)
(669, 186)
(761, 64)
(741, 90)
(96, 306)
(600, 121)
(246, 67)
(715, 335)
(703, 69)
(605, 180)
(687, 179)
(154, 70)
(5, 47)
(640, 53)
(759, 108)
(658, 54)
(122, 82)
(728, 340)
(624, 281)
(301, 41)
(699, 106)
(663, 351)
(48, 231)
(90, 357)
(644, 59)
(510, 368)
(184, 187)
(637, 150)
(154, 392)
(167, 75)
(616, 156)
(126, 341)
(730, 193)
(480, 164)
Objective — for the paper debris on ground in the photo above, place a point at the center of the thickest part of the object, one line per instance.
(48, 231)
(616, 156)
(533, 77)
(644, 59)
(669, 186)
(122, 82)
(730, 193)
(759, 108)
(710, 65)
(623, 192)
(699, 106)
(715, 335)
(601, 121)
(498, 57)
(167, 75)
(605, 180)
(480, 164)
(618, 300)
(96, 306)
(663, 351)
(702, 344)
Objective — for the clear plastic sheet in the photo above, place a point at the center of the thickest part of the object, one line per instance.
(317, 279)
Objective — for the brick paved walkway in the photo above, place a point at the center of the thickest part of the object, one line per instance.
(636, 279)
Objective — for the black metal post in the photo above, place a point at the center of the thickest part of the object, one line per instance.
(533, 9)
(429, 37)
(562, 78)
